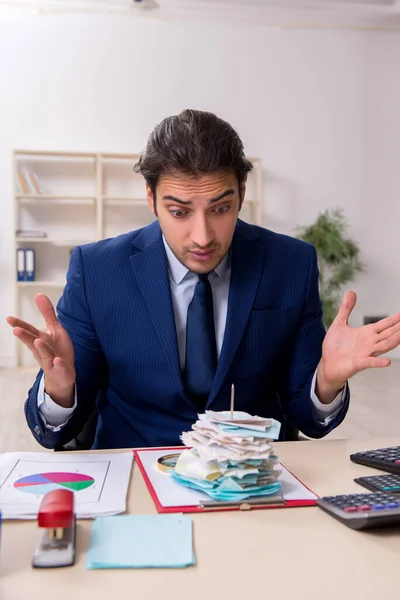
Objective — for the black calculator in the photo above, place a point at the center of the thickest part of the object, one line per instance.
(389, 483)
(363, 511)
(386, 459)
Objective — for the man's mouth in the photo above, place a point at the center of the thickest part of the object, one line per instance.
(202, 254)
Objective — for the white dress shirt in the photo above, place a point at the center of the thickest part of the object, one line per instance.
(183, 283)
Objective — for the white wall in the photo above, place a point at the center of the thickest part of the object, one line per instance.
(320, 107)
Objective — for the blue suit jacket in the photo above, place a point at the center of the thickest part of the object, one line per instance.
(117, 308)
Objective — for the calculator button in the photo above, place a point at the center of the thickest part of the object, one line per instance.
(364, 507)
(350, 509)
(378, 506)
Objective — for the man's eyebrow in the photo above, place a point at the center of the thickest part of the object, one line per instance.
(229, 192)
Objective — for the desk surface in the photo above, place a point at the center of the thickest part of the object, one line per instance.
(283, 553)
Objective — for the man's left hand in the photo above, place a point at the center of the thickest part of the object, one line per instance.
(348, 350)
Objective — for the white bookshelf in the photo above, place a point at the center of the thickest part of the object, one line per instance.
(77, 198)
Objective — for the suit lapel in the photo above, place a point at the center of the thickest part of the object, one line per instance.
(247, 263)
(150, 268)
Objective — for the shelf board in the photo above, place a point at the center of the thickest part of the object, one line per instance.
(68, 198)
(57, 153)
(34, 240)
(124, 200)
(112, 157)
(41, 284)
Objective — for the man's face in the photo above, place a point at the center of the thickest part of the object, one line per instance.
(197, 216)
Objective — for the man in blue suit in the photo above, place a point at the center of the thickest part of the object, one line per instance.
(155, 325)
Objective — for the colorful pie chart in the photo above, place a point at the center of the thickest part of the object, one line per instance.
(41, 483)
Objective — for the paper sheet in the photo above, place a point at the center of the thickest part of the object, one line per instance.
(99, 481)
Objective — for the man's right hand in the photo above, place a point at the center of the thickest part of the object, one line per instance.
(52, 349)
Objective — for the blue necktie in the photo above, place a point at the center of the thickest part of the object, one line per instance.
(201, 349)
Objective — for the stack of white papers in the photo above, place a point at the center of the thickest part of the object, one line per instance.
(230, 458)
(99, 482)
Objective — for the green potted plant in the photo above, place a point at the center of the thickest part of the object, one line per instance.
(338, 258)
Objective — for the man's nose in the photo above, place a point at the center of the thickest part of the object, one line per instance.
(202, 233)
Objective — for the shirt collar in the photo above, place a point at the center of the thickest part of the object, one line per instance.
(178, 271)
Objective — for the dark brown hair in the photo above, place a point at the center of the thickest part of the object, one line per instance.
(193, 142)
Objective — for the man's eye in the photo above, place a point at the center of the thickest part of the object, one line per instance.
(178, 213)
(220, 210)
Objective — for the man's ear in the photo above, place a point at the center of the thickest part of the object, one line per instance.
(151, 199)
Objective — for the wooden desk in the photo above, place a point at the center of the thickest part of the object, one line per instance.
(278, 553)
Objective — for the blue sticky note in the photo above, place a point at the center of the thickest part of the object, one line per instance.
(140, 541)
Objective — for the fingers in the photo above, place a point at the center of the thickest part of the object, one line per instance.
(41, 351)
(14, 322)
(375, 363)
(348, 303)
(27, 333)
(59, 365)
(387, 345)
(61, 373)
(27, 338)
(47, 309)
(385, 324)
(389, 332)
(46, 354)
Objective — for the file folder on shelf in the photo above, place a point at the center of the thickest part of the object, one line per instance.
(30, 264)
(21, 264)
(25, 264)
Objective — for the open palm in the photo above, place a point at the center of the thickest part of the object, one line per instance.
(348, 350)
(52, 349)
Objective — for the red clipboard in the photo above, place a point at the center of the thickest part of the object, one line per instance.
(152, 476)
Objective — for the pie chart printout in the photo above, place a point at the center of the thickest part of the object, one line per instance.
(41, 483)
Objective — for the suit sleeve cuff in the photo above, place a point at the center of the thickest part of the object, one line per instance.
(327, 412)
(53, 415)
